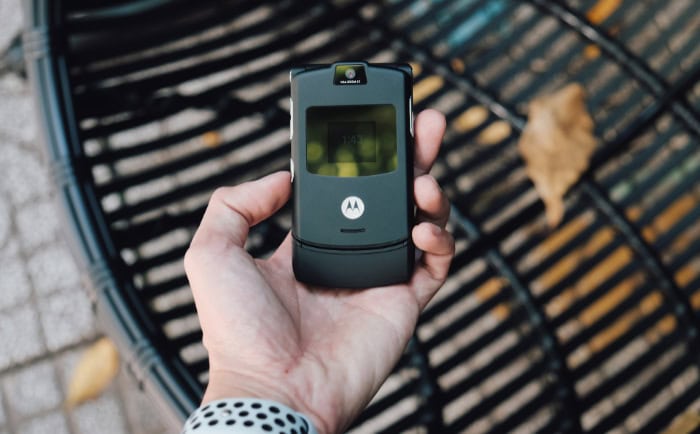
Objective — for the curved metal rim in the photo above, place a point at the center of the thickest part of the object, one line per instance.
(137, 336)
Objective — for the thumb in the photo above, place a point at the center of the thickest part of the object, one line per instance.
(233, 210)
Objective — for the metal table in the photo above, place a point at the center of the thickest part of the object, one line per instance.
(147, 106)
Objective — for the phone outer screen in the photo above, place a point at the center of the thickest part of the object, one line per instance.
(349, 141)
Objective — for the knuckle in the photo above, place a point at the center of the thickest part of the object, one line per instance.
(219, 194)
(190, 259)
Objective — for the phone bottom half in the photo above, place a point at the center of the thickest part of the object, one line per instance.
(353, 268)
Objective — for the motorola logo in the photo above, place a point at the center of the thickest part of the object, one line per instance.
(352, 207)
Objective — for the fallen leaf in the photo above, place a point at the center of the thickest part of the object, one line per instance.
(457, 65)
(591, 51)
(686, 423)
(211, 139)
(416, 67)
(495, 133)
(426, 87)
(95, 370)
(489, 289)
(602, 10)
(557, 144)
(471, 118)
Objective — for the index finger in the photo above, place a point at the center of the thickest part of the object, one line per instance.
(430, 127)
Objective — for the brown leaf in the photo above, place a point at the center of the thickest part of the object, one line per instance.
(495, 133)
(95, 371)
(426, 87)
(602, 10)
(471, 118)
(557, 144)
(686, 423)
(211, 139)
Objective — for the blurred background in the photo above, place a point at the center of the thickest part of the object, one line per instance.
(46, 314)
(581, 319)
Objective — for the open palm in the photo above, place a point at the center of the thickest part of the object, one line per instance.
(324, 352)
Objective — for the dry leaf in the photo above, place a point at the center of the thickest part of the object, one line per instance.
(211, 139)
(602, 10)
(426, 87)
(94, 372)
(416, 67)
(471, 118)
(591, 51)
(495, 133)
(457, 65)
(686, 423)
(557, 144)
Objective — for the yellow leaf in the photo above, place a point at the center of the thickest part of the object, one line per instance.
(471, 118)
(426, 87)
(557, 144)
(495, 133)
(211, 139)
(602, 10)
(416, 67)
(686, 423)
(95, 370)
(591, 51)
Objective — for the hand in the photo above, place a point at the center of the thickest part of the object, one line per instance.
(325, 352)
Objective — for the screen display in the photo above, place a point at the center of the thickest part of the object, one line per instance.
(351, 141)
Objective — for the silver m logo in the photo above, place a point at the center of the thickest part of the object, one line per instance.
(352, 207)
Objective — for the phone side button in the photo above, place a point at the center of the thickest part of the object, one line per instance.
(291, 168)
(410, 114)
(291, 119)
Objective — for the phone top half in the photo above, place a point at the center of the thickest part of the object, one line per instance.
(352, 158)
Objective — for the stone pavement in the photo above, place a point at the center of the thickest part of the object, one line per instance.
(46, 316)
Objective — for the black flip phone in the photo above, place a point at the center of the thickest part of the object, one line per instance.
(352, 174)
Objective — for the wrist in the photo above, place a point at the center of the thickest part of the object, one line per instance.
(224, 384)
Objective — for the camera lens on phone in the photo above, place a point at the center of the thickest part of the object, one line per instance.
(350, 73)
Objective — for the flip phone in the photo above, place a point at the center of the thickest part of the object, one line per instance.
(352, 174)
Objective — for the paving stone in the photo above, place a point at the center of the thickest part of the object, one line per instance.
(102, 415)
(17, 117)
(5, 222)
(20, 337)
(11, 83)
(52, 423)
(66, 318)
(66, 363)
(3, 418)
(32, 390)
(142, 412)
(52, 269)
(10, 20)
(14, 284)
(38, 223)
(25, 176)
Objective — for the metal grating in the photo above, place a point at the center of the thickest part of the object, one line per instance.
(591, 327)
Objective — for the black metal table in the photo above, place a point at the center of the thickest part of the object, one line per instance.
(147, 106)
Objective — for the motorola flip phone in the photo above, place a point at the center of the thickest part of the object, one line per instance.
(352, 174)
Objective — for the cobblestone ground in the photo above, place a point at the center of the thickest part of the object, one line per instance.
(46, 318)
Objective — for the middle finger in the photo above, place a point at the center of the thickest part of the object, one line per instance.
(430, 200)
